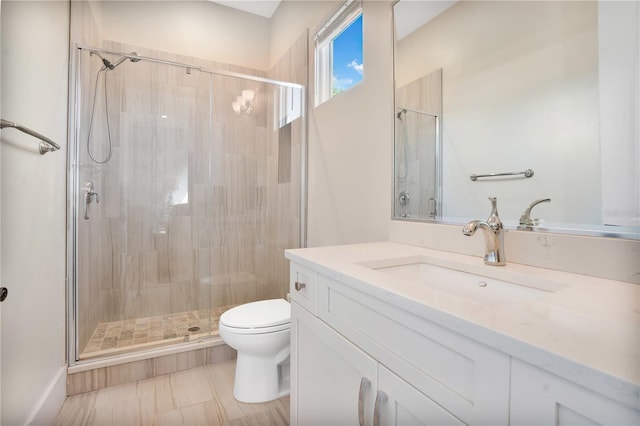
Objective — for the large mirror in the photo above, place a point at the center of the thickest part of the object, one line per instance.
(524, 101)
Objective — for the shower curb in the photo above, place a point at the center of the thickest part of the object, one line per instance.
(102, 377)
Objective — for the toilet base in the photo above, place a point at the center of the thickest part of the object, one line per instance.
(260, 380)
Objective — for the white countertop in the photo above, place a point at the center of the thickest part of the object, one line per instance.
(588, 331)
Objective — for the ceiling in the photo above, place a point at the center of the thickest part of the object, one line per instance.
(411, 15)
(264, 8)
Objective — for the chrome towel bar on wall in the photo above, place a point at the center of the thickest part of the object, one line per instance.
(45, 146)
(527, 173)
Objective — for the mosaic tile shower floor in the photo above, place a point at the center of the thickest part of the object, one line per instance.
(119, 336)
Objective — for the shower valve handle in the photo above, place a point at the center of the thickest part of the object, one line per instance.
(89, 197)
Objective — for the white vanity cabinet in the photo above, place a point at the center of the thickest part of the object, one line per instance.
(434, 357)
(416, 370)
(541, 398)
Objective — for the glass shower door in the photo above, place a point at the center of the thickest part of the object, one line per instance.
(144, 185)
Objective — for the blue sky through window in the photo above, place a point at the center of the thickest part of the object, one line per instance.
(347, 57)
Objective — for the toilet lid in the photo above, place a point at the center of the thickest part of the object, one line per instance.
(260, 314)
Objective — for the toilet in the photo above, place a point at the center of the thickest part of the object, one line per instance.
(259, 332)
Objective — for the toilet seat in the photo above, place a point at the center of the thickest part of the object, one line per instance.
(263, 316)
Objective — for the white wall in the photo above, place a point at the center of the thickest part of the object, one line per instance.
(34, 93)
(350, 136)
(200, 29)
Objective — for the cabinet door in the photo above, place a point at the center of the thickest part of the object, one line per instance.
(541, 398)
(327, 375)
(461, 375)
(399, 403)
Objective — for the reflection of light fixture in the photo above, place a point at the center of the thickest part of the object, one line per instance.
(243, 103)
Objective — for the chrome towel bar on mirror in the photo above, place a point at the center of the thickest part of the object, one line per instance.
(527, 173)
(45, 146)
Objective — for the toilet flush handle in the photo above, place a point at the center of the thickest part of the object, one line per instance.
(299, 286)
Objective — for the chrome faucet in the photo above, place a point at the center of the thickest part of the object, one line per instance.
(493, 235)
(526, 221)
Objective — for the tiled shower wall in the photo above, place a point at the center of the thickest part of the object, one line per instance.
(195, 211)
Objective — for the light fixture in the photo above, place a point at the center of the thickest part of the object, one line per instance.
(242, 104)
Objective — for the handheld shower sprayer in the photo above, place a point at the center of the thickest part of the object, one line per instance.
(107, 66)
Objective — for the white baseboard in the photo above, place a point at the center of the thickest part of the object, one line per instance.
(45, 412)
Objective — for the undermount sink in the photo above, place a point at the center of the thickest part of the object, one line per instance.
(512, 287)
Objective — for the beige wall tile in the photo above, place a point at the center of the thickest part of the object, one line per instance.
(125, 373)
(179, 362)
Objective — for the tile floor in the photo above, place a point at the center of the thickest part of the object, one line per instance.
(113, 337)
(199, 396)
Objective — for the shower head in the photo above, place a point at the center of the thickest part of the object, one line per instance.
(131, 56)
(108, 65)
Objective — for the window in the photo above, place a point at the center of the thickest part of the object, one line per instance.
(338, 47)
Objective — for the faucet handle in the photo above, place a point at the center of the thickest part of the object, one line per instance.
(494, 219)
(526, 220)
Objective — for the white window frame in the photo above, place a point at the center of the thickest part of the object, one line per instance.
(339, 21)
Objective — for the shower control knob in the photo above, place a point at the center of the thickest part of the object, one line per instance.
(4, 292)
(404, 198)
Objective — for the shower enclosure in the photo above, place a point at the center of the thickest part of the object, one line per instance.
(185, 186)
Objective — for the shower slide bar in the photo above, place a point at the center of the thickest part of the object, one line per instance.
(399, 109)
(45, 146)
(527, 173)
(194, 67)
(143, 58)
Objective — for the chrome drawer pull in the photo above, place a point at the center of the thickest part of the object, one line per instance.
(381, 398)
(299, 286)
(364, 384)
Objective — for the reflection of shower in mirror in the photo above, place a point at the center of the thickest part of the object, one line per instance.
(416, 162)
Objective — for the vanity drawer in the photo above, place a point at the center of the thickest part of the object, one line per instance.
(303, 287)
(461, 375)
